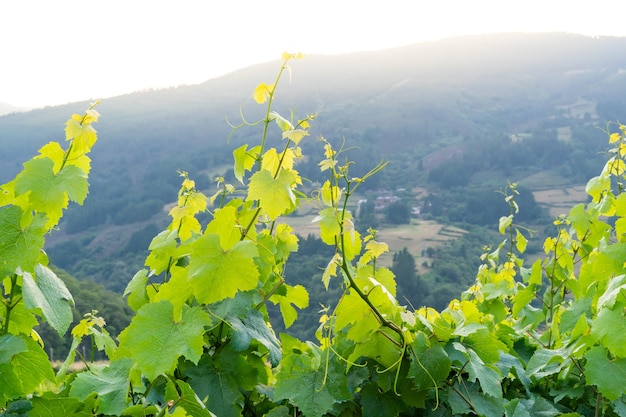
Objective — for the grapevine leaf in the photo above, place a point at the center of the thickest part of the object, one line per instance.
(619, 406)
(488, 376)
(612, 292)
(225, 225)
(378, 403)
(295, 135)
(216, 274)
(110, 383)
(162, 248)
(25, 371)
(609, 327)
(608, 375)
(262, 92)
(244, 160)
(58, 406)
(378, 346)
(49, 192)
(49, 294)
(136, 290)
(510, 364)
(254, 327)
(297, 296)
(329, 225)
(504, 223)
(177, 291)
(275, 195)
(10, 345)
(516, 409)
(302, 379)
(352, 310)
(484, 405)
(219, 384)
(430, 364)
(486, 345)
(79, 128)
(19, 245)
(281, 122)
(155, 340)
(189, 401)
(597, 186)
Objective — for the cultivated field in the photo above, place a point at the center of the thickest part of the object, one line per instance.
(561, 200)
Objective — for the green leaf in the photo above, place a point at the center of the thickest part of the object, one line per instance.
(488, 376)
(430, 364)
(20, 245)
(155, 340)
(216, 273)
(515, 409)
(162, 249)
(329, 225)
(378, 403)
(49, 294)
(244, 160)
(226, 225)
(608, 375)
(275, 195)
(218, 382)
(50, 192)
(487, 345)
(282, 123)
(295, 135)
(110, 383)
(302, 379)
(254, 327)
(613, 291)
(504, 223)
(597, 186)
(49, 406)
(484, 405)
(10, 345)
(297, 296)
(25, 371)
(136, 290)
(609, 327)
(189, 401)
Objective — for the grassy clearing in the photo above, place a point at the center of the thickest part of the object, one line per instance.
(561, 200)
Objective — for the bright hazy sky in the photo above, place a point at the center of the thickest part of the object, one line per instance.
(59, 51)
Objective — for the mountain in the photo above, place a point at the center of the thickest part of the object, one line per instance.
(6, 108)
(497, 106)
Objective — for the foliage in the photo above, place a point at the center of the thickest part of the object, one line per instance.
(525, 339)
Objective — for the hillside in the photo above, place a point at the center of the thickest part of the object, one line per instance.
(462, 112)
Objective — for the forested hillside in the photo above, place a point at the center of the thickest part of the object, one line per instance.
(457, 119)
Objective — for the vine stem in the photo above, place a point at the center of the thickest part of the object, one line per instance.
(9, 305)
(345, 268)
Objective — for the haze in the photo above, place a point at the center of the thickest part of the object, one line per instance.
(54, 52)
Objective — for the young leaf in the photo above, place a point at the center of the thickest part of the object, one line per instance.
(216, 273)
(275, 195)
(297, 296)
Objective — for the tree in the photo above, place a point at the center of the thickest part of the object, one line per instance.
(398, 212)
(410, 286)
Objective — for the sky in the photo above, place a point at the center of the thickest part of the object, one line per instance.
(58, 51)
